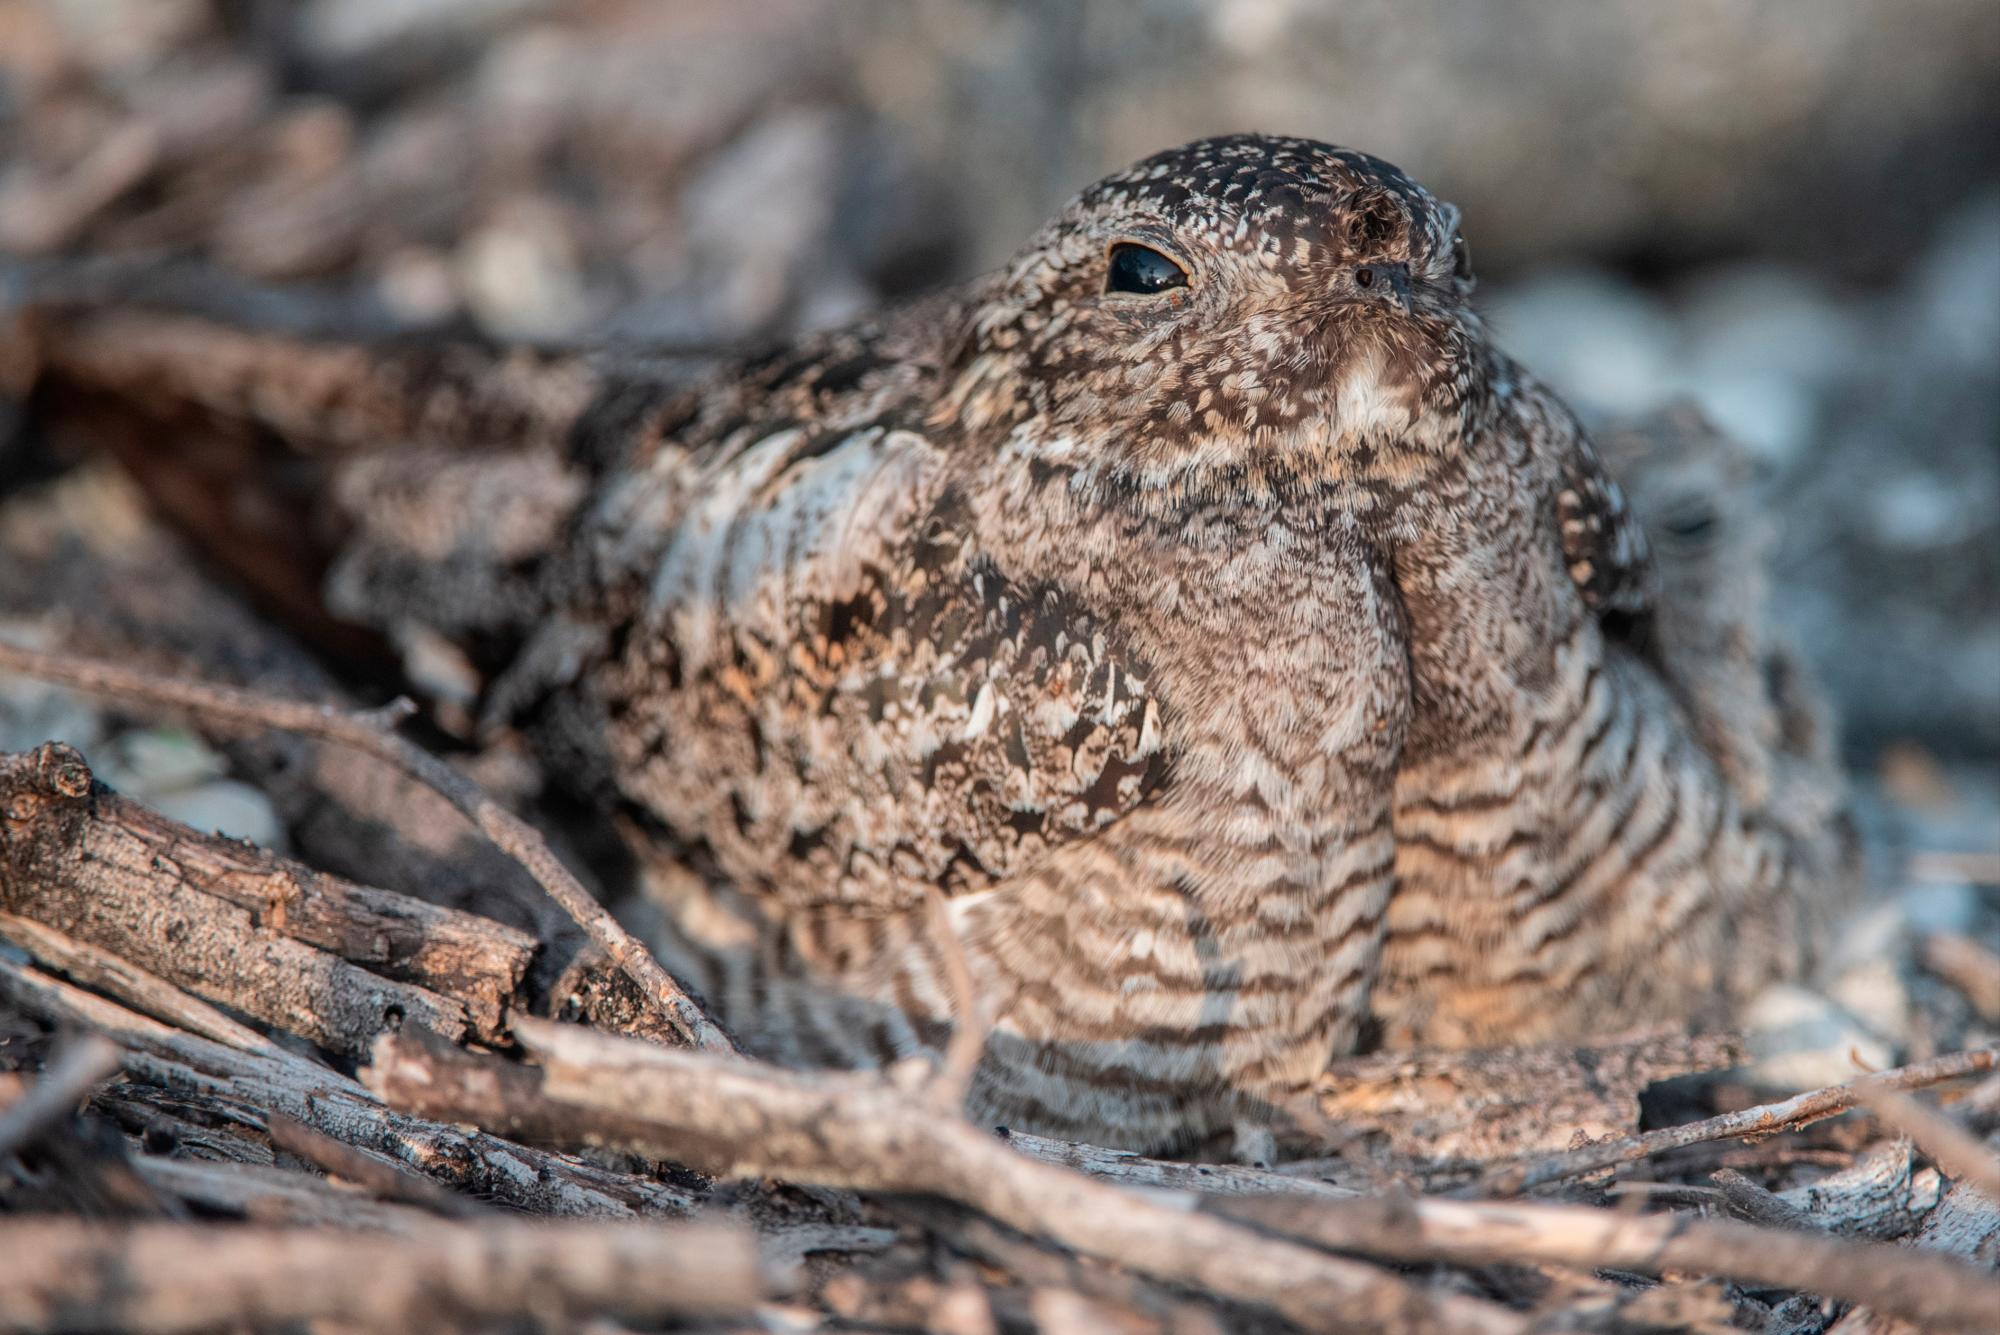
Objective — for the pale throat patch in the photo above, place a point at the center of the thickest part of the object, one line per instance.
(1365, 406)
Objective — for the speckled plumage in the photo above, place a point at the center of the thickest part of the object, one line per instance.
(1249, 663)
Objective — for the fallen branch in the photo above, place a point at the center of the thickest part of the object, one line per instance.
(65, 1274)
(742, 1118)
(274, 1196)
(1763, 1120)
(126, 982)
(377, 1175)
(1939, 1290)
(247, 1087)
(109, 872)
(371, 732)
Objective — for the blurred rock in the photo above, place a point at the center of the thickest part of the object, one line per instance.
(1800, 1039)
(1605, 344)
(1877, 417)
(1825, 130)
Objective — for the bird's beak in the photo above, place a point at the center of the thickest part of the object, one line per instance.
(1390, 288)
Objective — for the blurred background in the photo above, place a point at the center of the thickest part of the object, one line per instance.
(1787, 209)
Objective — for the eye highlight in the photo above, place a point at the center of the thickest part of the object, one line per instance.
(1141, 269)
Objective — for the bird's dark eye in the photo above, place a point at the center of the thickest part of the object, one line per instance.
(1141, 269)
(1461, 259)
(1691, 524)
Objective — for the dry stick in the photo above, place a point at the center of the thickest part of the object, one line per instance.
(524, 1178)
(105, 869)
(370, 732)
(1950, 1146)
(145, 992)
(745, 1118)
(374, 1174)
(159, 1279)
(1750, 1201)
(1136, 1170)
(273, 1196)
(971, 1024)
(1766, 1119)
(1938, 1290)
(80, 1067)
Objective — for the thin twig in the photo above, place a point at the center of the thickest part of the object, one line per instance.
(78, 1068)
(1948, 1144)
(1941, 1291)
(367, 731)
(1763, 1120)
(970, 1022)
(1753, 1203)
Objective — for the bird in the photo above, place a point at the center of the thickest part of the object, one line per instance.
(1197, 628)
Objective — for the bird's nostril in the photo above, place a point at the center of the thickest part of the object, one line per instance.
(1364, 277)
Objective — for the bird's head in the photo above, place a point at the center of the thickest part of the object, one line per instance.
(1236, 302)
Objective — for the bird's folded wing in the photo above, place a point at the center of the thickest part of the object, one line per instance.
(832, 688)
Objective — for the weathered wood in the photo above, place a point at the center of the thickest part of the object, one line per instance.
(373, 734)
(238, 925)
(267, 1195)
(1766, 1119)
(1966, 1224)
(1885, 1193)
(252, 1085)
(734, 1118)
(69, 1274)
(1939, 1290)
(126, 982)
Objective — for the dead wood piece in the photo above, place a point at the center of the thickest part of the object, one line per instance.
(77, 1069)
(1754, 1204)
(119, 978)
(1967, 1224)
(371, 733)
(250, 1086)
(1482, 1105)
(1765, 1119)
(267, 1195)
(434, 1078)
(741, 1118)
(474, 960)
(87, 560)
(1939, 1290)
(373, 1173)
(65, 1274)
(1883, 1194)
(1136, 1170)
(107, 871)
